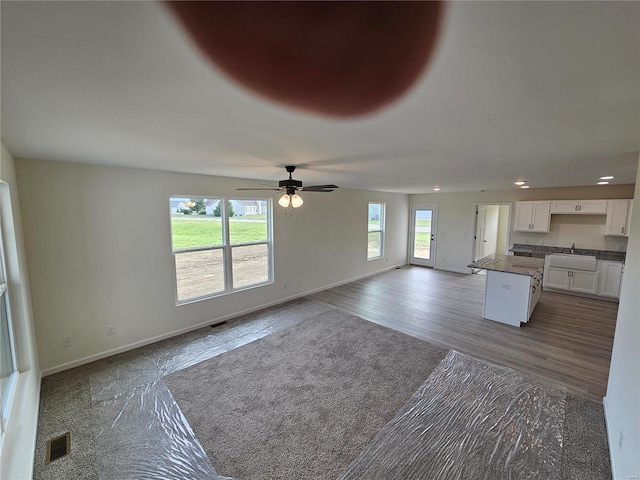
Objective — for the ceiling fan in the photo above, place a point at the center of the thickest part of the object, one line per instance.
(291, 187)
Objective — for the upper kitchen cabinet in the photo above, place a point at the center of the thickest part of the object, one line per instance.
(532, 217)
(579, 206)
(618, 215)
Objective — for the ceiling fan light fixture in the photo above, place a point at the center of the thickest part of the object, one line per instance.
(296, 201)
(284, 200)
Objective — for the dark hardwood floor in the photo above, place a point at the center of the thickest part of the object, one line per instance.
(567, 341)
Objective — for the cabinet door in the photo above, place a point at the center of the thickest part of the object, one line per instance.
(557, 278)
(610, 278)
(617, 214)
(592, 206)
(581, 281)
(564, 206)
(541, 216)
(524, 214)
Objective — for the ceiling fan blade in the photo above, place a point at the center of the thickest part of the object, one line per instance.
(312, 190)
(275, 189)
(319, 188)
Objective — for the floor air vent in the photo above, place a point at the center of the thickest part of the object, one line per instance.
(58, 447)
(218, 324)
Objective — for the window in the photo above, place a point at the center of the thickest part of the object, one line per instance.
(375, 221)
(220, 245)
(8, 370)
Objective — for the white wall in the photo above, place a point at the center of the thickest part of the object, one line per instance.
(18, 444)
(99, 252)
(456, 214)
(503, 229)
(622, 403)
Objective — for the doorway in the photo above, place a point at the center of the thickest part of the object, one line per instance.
(422, 235)
(491, 235)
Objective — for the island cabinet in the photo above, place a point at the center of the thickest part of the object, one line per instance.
(512, 288)
(618, 215)
(610, 273)
(532, 217)
(579, 206)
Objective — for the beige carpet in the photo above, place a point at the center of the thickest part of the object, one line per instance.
(303, 402)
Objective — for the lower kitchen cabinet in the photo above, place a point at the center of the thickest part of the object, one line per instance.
(610, 278)
(574, 280)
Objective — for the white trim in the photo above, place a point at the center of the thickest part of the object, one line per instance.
(431, 262)
(611, 442)
(142, 343)
(474, 220)
(382, 221)
(226, 248)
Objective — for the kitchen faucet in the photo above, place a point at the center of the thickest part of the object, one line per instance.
(573, 247)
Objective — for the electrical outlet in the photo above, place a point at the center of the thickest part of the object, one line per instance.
(66, 342)
(111, 330)
(621, 440)
(284, 285)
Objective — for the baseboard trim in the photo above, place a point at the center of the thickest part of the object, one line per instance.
(174, 333)
(609, 438)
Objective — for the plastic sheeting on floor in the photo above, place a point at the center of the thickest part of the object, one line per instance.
(140, 432)
(470, 419)
(143, 434)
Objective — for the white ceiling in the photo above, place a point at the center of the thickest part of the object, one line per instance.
(544, 91)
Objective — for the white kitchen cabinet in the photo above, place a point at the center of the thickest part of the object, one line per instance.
(610, 278)
(579, 206)
(556, 277)
(618, 215)
(532, 217)
(582, 281)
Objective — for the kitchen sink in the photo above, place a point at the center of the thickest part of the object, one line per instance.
(572, 261)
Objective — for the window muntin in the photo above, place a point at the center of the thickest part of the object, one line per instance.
(375, 228)
(220, 245)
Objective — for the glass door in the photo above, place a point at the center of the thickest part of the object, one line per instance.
(422, 235)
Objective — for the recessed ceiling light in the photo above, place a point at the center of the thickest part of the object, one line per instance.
(436, 189)
(524, 186)
(520, 182)
(603, 183)
(606, 178)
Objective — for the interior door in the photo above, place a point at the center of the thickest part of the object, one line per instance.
(422, 236)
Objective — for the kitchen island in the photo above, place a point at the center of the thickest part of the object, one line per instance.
(512, 288)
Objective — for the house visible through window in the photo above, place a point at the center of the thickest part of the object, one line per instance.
(375, 244)
(220, 245)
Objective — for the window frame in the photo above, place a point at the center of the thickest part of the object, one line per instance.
(380, 230)
(7, 395)
(227, 249)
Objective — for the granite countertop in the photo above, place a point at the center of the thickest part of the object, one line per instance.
(510, 264)
(539, 251)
